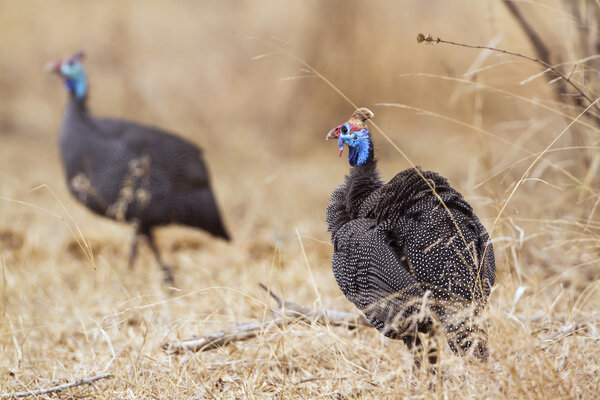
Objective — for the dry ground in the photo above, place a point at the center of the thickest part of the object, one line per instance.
(64, 316)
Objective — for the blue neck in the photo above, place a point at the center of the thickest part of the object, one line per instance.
(359, 154)
(77, 86)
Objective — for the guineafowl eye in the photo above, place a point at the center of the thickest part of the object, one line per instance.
(345, 129)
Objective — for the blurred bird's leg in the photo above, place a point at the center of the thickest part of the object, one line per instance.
(167, 274)
(134, 247)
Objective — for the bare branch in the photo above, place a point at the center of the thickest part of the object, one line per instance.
(56, 389)
(336, 318)
(287, 311)
(278, 299)
(220, 339)
(539, 46)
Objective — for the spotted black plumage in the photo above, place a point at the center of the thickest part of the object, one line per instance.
(398, 254)
(130, 172)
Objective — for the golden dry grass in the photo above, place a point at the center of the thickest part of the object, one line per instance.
(189, 66)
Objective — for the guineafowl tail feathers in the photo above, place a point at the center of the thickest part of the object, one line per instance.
(204, 213)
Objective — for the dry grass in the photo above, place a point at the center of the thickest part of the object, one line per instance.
(64, 317)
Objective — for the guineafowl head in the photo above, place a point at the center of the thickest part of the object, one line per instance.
(355, 134)
(72, 71)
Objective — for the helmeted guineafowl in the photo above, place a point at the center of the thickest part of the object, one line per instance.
(411, 253)
(130, 172)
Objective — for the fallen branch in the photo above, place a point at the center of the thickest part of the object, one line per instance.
(286, 311)
(335, 318)
(56, 389)
(220, 339)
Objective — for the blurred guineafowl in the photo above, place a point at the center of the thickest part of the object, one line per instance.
(130, 172)
(411, 253)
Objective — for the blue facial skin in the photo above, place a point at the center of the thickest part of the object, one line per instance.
(75, 78)
(358, 143)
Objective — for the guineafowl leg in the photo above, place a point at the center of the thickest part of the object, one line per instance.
(134, 247)
(467, 335)
(413, 342)
(168, 275)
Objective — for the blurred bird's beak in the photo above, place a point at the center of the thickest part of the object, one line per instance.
(331, 135)
(53, 66)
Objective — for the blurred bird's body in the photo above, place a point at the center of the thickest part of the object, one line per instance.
(130, 172)
(410, 253)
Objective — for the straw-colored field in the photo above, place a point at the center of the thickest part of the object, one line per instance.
(209, 71)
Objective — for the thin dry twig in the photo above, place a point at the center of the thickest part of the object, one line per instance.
(309, 379)
(56, 389)
(563, 333)
(429, 39)
(286, 310)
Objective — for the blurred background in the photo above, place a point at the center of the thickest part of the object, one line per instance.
(227, 76)
(207, 71)
(210, 71)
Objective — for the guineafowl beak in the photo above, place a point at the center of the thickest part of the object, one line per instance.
(335, 134)
(53, 66)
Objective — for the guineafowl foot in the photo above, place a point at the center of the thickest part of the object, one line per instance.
(167, 270)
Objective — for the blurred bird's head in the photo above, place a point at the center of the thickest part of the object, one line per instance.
(355, 134)
(73, 73)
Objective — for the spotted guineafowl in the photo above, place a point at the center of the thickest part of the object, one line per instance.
(411, 253)
(130, 172)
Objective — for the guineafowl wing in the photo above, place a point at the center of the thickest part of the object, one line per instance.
(168, 175)
(456, 268)
(179, 160)
(447, 250)
(445, 243)
(374, 276)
